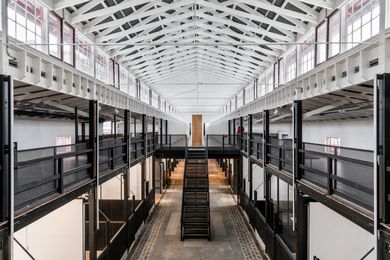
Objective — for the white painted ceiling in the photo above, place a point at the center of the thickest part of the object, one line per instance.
(197, 54)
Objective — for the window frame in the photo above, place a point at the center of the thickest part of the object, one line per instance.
(330, 16)
(15, 6)
(84, 45)
(73, 47)
(61, 35)
(117, 74)
(317, 46)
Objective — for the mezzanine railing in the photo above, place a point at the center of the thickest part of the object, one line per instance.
(174, 141)
(347, 172)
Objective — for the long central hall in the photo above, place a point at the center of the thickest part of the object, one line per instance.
(230, 237)
(195, 129)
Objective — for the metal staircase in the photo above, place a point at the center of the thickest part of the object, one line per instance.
(195, 214)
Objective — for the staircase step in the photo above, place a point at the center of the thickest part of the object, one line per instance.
(195, 208)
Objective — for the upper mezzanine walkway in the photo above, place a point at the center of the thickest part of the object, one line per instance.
(230, 238)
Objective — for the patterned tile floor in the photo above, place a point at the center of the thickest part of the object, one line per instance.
(231, 238)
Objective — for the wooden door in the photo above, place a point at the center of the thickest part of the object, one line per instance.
(196, 130)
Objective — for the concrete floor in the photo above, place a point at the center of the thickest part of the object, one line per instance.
(231, 238)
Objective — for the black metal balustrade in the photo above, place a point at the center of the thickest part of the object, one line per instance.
(219, 141)
(137, 148)
(152, 142)
(244, 142)
(256, 146)
(347, 172)
(174, 141)
(43, 172)
(279, 153)
(112, 153)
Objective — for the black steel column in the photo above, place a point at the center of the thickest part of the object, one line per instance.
(166, 131)
(302, 204)
(93, 138)
(135, 126)
(6, 210)
(250, 134)
(248, 149)
(126, 192)
(154, 175)
(115, 132)
(144, 133)
(83, 131)
(143, 164)
(234, 131)
(143, 179)
(240, 180)
(229, 131)
(241, 131)
(161, 132)
(250, 177)
(76, 125)
(265, 135)
(92, 195)
(266, 182)
(383, 154)
(126, 131)
(154, 133)
(298, 158)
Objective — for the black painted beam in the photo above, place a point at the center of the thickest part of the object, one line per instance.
(383, 166)
(6, 210)
(297, 138)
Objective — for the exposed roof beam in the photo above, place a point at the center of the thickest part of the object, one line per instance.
(321, 3)
(76, 18)
(324, 109)
(61, 4)
(279, 10)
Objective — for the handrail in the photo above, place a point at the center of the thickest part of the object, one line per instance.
(182, 199)
(340, 147)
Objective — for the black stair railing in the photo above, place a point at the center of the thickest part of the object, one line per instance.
(195, 218)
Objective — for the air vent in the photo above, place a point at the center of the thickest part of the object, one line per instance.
(357, 69)
(344, 74)
(374, 62)
(13, 63)
(333, 78)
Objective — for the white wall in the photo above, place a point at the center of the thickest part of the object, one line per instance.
(352, 133)
(245, 173)
(58, 235)
(333, 237)
(219, 127)
(177, 127)
(32, 133)
(258, 181)
(112, 189)
(149, 171)
(135, 181)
